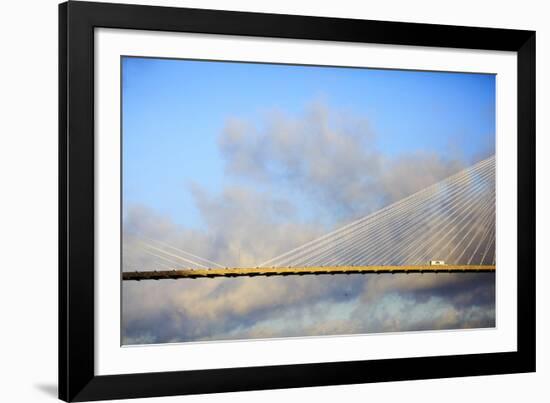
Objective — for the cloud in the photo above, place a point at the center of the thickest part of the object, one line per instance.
(237, 308)
(215, 309)
(291, 180)
(420, 284)
(331, 158)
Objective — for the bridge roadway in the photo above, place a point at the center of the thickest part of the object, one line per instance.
(300, 271)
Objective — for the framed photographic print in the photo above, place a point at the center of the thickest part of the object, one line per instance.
(255, 201)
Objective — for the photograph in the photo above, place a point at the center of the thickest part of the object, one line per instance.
(264, 200)
(280, 201)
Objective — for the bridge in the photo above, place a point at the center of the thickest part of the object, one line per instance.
(451, 221)
(300, 271)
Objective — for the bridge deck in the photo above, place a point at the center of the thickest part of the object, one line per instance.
(287, 271)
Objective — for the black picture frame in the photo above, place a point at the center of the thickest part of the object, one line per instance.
(77, 379)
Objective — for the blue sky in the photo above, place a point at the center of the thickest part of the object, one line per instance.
(175, 110)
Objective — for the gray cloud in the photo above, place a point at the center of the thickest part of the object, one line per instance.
(331, 158)
(213, 309)
(291, 181)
